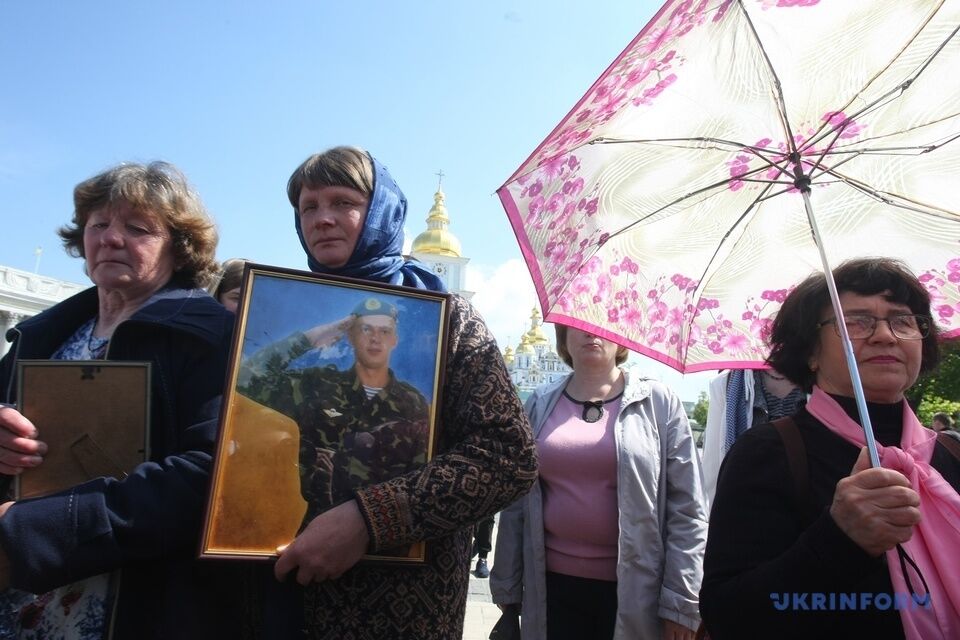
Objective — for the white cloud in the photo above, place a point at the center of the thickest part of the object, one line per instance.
(504, 295)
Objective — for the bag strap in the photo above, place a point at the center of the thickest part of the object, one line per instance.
(796, 459)
(797, 455)
(949, 443)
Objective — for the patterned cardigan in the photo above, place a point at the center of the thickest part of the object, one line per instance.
(486, 459)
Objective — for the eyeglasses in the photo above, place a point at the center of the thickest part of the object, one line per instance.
(906, 326)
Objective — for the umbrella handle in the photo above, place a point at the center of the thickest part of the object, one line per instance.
(844, 336)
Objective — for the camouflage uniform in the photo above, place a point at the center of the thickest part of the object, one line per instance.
(347, 441)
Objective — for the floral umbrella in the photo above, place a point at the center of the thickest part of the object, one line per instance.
(673, 208)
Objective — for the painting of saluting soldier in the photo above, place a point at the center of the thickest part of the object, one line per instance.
(359, 386)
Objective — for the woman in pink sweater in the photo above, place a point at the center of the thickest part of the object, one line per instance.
(609, 544)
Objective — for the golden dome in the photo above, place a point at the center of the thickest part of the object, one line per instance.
(524, 346)
(508, 355)
(437, 239)
(535, 335)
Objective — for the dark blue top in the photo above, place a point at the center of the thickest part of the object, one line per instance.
(148, 523)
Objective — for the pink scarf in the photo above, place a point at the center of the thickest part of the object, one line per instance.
(936, 539)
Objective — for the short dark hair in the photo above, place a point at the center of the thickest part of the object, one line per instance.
(564, 353)
(161, 191)
(337, 167)
(795, 333)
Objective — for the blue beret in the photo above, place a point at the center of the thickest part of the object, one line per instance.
(375, 307)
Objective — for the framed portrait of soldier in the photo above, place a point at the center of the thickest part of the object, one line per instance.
(334, 385)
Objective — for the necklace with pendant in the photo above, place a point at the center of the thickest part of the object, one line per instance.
(592, 409)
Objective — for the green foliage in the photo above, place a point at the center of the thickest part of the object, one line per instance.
(700, 409)
(934, 404)
(938, 390)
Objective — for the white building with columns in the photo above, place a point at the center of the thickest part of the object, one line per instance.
(24, 294)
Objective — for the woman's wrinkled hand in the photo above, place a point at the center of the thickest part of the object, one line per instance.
(19, 447)
(876, 508)
(331, 544)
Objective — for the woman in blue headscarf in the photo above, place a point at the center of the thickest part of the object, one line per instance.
(349, 215)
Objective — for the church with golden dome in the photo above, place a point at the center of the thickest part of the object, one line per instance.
(439, 249)
(534, 362)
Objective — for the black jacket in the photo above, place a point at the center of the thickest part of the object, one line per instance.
(147, 524)
(765, 541)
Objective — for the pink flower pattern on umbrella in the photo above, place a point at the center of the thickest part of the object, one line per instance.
(771, 4)
(586, 226)
(645, 71)
(632, 83)
(940, 283)
(658, 317)
(778, 159)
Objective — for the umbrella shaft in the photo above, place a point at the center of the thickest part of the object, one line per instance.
(844, 336)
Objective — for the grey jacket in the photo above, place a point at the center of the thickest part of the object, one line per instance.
(663, 520)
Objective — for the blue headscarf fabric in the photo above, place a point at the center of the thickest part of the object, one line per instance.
(378, 255)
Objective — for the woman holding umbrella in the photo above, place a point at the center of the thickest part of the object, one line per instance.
(805, 538)
(609, 544)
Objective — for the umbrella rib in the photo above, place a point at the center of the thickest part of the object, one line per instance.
(778, 96)
(830, 149)
(906, 151)
(726, 181)
(852, 155)
(760, 152)
(719, 141)
(918, 149)
(895, 200)
(880, 196)
(895, 92)
(707, 267)
(828, 129)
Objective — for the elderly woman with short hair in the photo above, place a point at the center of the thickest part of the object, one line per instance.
(806, 540)
(148, 246)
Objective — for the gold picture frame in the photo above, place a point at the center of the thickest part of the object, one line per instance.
(77, 407)
(298, 431)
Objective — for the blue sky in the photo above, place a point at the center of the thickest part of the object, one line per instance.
(237, 94)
